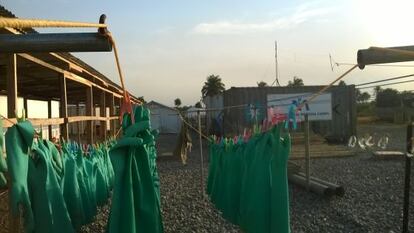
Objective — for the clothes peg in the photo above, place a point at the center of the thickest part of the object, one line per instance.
(235, 139)
(291, 116)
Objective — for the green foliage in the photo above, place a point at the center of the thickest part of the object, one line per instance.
(342, 83)
(142, 99)
(177, 102)
(297, 82)
(198, 105)
(262, 84)
(362, 97)
(388, 98)
(366, 109)
(212, 86)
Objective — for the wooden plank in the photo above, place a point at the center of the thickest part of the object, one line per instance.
(89, 112)
(90, 118)
(35, 121)
(118, 89)
(64, 128)
(67, 74)
(58, 121)
(11, 76)
(54, 42)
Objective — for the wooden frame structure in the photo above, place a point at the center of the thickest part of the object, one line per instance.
(59, 77)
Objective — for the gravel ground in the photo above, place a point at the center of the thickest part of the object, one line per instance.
(374, 191)
(372, 203)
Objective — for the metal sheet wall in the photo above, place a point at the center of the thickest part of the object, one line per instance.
(339, 129)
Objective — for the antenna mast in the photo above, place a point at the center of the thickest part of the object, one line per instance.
(276, 67)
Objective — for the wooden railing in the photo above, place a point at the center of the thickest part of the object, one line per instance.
(59, 121)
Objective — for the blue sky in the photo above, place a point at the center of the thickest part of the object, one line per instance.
(169, 47)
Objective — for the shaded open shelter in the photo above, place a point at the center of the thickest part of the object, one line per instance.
(79, 88)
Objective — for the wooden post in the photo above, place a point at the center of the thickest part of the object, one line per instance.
(307, 153)
(26, 109)
(78, 124)
(11, 73)
(64, 129)
(89, 112)
(49, 115)
(201, 153)
(407, 183)
(112, 113)
(102, 109)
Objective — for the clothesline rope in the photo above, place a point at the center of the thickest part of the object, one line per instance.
(7, 119)
(192, 127)
(31, 23)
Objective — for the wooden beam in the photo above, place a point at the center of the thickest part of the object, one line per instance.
(11, 76)
(36, 121)
(90, 118)
(58, 121)
(118, 93)
(54, 42)
(64, 129)
(102, 108)
(49, 115)
(89, 112)
(67, 74)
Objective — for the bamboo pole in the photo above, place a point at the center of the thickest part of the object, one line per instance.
(307, 153)
(201, 154)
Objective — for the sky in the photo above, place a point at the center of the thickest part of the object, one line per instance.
(168, 48)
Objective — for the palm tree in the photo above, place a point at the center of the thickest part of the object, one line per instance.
(198, 105)
(297, 82)
(262, 84)
(377, 90)
(177, 102)
(212, 86)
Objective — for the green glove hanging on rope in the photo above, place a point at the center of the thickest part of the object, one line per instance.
(48, 205)
(19, 140)
(71, 189)
(3, 163)
(135, 203)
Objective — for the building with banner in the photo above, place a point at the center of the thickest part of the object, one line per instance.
(332, 114)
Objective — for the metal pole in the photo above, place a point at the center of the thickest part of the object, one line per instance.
(407, 177)
(307, 153)
(201, 153)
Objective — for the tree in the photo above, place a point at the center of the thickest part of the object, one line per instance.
(212, 86)
(377, 89)
(362, 97)
(142, 99)
(198, 105)
(342, 83)
(297, 82)
(262, 84)
(177, 102)
(388, 98)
